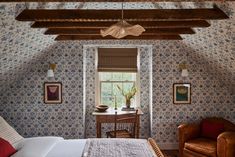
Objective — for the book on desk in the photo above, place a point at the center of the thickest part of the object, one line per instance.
(128, 108)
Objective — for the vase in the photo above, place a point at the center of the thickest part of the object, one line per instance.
(128, 103)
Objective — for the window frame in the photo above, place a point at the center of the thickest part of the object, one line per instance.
(97, 83)
(100, 82)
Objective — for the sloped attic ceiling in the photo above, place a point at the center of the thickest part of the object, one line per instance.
(21, 45)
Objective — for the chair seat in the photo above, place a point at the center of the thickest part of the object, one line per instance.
(119, 134)
(202, 146)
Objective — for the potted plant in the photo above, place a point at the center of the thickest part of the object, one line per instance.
(128, 95)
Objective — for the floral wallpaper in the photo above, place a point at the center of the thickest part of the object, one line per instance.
(26, 54)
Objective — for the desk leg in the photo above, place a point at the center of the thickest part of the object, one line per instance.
(138, 127)
(98, 129)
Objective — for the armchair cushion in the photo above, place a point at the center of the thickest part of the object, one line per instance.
(202, 146)
(211, 129)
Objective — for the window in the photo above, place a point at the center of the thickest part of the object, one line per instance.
(108, 82)
(116, 67)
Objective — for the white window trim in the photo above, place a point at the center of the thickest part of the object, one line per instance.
(138, 79)
(97, 85)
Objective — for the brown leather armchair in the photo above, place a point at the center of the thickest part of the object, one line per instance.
(192, 144)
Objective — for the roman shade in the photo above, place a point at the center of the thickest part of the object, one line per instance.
(117, 59)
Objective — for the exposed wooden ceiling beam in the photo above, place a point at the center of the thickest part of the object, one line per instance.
(160, 24)
(145, 24)
(131, 15)
(108, 0)
(151, 31)
(98, 37)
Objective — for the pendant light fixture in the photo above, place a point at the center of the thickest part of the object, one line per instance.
(122, 29)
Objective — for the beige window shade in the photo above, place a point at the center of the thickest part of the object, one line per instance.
(117, 59)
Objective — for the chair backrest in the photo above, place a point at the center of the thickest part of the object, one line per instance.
(126, 121)
(228, 126)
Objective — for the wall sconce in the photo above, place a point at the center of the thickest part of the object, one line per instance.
(50, 72)
(183, 67)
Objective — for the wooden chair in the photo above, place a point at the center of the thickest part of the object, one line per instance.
(125, 126)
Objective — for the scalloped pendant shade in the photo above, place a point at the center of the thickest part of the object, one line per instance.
(122, 29)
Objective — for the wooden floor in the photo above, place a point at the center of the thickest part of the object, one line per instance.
(170, 153)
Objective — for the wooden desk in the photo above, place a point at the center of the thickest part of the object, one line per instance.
(109, 117)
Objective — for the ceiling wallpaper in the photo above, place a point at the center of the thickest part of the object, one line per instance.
(25, 54)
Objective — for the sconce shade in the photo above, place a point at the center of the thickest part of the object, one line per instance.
(50, 73)
(184, 73)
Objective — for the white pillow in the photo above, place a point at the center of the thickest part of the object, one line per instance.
(8, 133)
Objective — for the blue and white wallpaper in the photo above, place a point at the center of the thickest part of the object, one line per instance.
(25, 54)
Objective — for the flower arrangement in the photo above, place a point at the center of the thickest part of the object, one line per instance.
(128, 95)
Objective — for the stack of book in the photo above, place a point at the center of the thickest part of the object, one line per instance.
(128, 109)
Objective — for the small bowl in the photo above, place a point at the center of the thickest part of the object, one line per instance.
(102, 108)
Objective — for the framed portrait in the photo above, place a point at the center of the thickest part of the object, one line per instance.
(182, 93)
(52, 92)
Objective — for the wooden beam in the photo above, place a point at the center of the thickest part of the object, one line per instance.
(109, 0)
(151, 31)
(98, 37)
(131, 15)
(145, 24)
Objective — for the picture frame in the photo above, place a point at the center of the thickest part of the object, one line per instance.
(52, 92)
(182, 93)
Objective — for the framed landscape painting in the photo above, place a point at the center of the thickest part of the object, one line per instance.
(182, 93)
(52, 92)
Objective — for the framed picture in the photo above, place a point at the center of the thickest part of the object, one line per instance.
(52, 92)
(182, 93)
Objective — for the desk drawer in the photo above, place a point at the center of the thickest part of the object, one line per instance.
(111, 118)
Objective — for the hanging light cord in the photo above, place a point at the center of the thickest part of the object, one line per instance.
(122, 11)
(26, 5)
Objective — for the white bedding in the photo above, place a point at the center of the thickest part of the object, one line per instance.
(74, 148)
(50, 147)
(58, 147)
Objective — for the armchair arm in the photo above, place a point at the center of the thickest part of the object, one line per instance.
(187, 132)
(226, 144)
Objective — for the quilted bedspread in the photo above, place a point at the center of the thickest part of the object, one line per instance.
(118, 148)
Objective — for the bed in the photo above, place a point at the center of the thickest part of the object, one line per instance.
(59, 147)
(94, 147)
